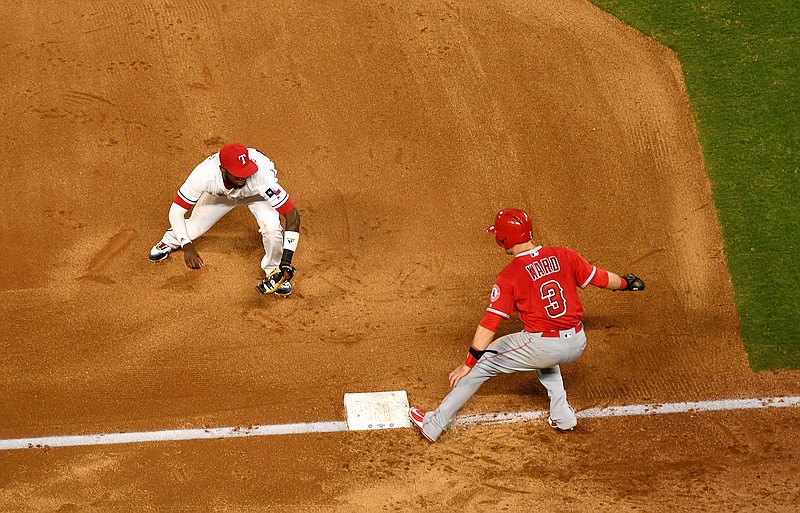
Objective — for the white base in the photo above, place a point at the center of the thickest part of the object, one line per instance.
(377, 410)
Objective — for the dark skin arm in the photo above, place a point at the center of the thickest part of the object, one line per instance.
(191, 257)
(293, 220)
(292, 225)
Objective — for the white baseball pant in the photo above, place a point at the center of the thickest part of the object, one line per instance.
(210, 209)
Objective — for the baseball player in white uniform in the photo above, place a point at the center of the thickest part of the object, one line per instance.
(235, 176)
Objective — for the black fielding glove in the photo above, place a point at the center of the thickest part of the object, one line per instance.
(288, 269)
(634, 283)
(276, 278)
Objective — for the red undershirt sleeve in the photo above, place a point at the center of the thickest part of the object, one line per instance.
(491, 321)
(286, 207)
(600, 278)
(182, 202)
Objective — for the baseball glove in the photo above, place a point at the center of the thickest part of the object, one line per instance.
(276, 278)
(634, 282)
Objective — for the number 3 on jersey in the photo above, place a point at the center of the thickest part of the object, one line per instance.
(553, 295)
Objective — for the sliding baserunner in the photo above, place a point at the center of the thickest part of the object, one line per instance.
(540, 284)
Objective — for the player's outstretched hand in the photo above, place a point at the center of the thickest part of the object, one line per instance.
(458, 373)
(192, 257)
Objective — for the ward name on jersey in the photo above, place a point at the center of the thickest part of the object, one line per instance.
(541, 285)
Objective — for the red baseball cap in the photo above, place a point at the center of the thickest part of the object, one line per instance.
(235, 159)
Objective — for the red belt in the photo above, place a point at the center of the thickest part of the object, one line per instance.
(558, 333)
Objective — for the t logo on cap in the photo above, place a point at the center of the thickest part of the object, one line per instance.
(234, 158)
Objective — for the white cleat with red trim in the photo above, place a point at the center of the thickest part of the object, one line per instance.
(417, 418)
(552, 424)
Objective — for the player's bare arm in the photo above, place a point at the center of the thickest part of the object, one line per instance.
(191, 257)
(629, 282)
(614, 281)
(293, 220)
(483, 337)
(177, 220)
(289, 246)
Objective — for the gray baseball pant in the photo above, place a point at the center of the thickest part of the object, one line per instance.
(516, 352)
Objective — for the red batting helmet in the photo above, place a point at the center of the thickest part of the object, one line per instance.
(511, 226)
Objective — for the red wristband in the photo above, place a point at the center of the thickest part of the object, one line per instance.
(472, 357)
(623, 285)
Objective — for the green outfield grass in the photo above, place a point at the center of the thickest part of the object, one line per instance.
(741, 62)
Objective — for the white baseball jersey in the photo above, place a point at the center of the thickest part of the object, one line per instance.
(207, 177)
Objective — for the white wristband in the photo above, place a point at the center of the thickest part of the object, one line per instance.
(290, 240)
(185, 242)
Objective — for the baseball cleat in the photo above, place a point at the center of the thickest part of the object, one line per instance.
(417, 417)
(285, 290)
(552, 424)
(159, 252)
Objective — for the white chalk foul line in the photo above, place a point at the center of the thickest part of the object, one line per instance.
(638, 409)
(173, 435)
(336, 426)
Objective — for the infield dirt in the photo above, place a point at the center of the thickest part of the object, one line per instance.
(399, 130)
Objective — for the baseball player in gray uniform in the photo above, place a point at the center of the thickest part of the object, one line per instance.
(540, 284)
